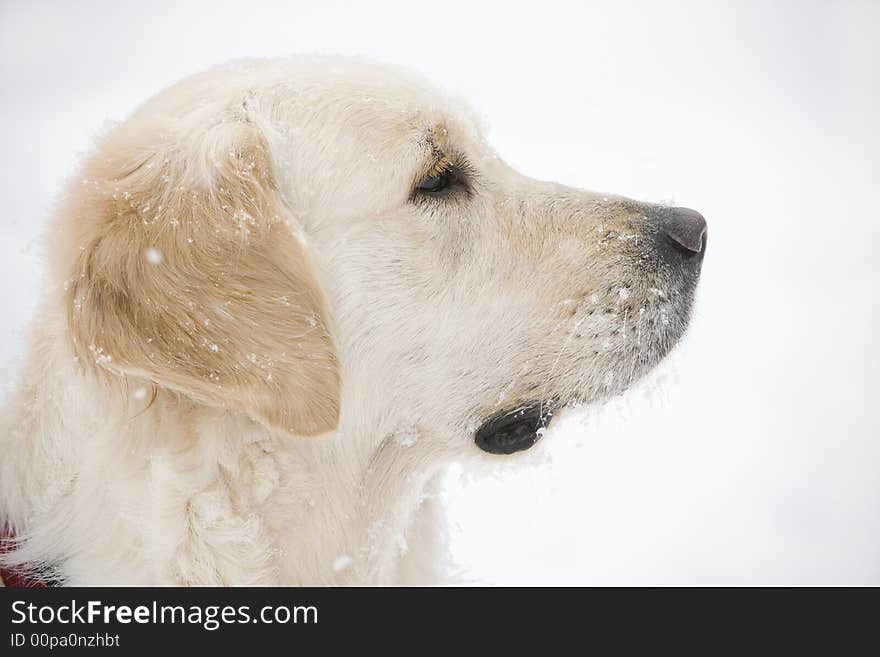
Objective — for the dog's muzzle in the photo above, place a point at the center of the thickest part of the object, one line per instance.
(516, 430)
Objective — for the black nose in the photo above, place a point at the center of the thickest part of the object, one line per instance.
(686, 229)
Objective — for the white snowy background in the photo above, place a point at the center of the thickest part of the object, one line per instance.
(753, 456)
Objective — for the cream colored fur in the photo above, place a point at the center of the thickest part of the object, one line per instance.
(258, 352)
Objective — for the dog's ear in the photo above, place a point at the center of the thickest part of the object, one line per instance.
(190, 273)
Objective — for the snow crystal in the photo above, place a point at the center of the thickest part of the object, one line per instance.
(303, 241)
(241, 217)
(154, 256)
(406, 437)
(342, 562)
(100, 357)
(623, 294)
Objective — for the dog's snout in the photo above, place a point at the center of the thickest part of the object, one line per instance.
(686, 229)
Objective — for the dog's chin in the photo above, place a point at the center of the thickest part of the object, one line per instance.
(521, 427)
(516, 429)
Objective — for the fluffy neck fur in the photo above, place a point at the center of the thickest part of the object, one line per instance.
(104, 487)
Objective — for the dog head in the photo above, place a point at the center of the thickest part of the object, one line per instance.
(293, 238)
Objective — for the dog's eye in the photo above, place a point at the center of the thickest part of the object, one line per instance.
(437, 183)
(444, 178)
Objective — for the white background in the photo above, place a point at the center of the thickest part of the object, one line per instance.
(753, 456)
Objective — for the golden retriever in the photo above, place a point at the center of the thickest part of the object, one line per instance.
(286, 294)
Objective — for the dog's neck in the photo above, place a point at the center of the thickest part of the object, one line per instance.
(192, 494)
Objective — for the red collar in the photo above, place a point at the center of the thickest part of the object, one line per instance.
(16, 577)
